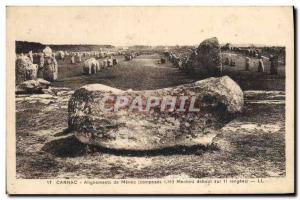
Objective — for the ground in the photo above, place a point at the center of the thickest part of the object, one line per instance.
(252, 145)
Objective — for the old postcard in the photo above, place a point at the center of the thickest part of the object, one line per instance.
(150, 100)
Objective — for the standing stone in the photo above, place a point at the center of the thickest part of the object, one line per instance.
(179, 64)
(101, 55)
(50, 69)
(105, 65)
(218, 99)
(42, 61)
(109, 62)
(208, 60)
(115, 61)
(60, 55)
(32, 72)
(30, 56)
(90, 66)
(274, 64)
(261, 67)
(247, 63)
(41, 66)
(98, 65)
(47, 52)
(226, 61)
(73, 59)
(78, 58)
(25, 69)
(38, 59)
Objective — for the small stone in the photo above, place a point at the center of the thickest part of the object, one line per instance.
(32, 87)
(199, 152)
(187, 124)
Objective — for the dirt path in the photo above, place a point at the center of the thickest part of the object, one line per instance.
(143, 72)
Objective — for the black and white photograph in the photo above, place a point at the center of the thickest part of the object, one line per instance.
(150, 97)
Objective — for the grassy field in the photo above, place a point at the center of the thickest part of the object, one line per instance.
(252, 145)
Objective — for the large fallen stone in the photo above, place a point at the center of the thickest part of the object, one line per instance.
(25, 69)
(219, 99)
(32, 87)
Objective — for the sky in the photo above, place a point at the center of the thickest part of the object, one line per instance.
(122, 26)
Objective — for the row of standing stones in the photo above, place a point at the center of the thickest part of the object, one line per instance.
(218, 98)
(34, 70)
(26, 70)
(206, 60)
(33, 78)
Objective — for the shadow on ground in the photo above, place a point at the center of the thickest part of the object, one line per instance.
(71, 147)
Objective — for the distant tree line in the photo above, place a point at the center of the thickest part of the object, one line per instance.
(25, 47)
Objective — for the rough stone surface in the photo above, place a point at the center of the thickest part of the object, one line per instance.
(78, 58)
(32, 86)
(91, 66)
(60, 55)
(247, 63)
(73, 60)
(207, 59)
(47, 52)
(50, 69)
(219, 99)
(25, 69)
(261, 67)
(274, 64)
(40, 60)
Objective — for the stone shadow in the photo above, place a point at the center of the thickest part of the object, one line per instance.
(71, 147)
